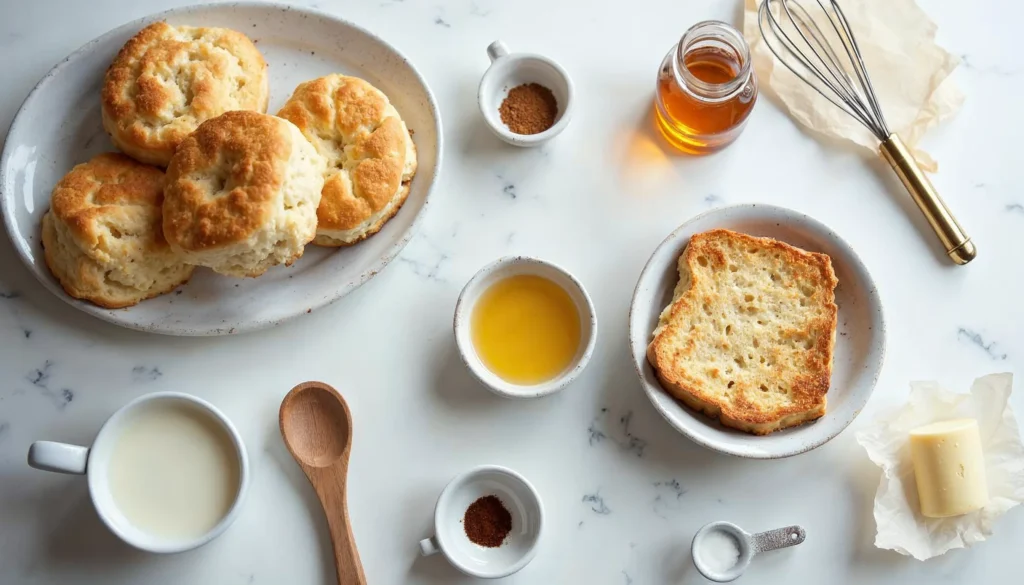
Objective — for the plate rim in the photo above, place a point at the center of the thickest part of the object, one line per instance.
(651, 391)
(111, 315)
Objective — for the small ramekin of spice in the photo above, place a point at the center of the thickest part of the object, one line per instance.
(526, 99)
(487, 522)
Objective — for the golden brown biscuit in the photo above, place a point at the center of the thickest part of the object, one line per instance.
(167, 80)
(242, 193)
(102, 236)
(370, 156)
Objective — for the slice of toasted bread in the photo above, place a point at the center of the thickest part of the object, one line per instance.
(748, 337)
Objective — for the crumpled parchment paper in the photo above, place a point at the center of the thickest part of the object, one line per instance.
(910, 73)
(900, 525)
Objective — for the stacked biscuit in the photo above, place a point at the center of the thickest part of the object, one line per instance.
(243, 191)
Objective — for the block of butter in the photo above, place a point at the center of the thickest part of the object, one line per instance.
(949, 467)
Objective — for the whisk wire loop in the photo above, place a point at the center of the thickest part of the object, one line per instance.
(808, 53)
(850, 41)
(815, 57)
(821, 49)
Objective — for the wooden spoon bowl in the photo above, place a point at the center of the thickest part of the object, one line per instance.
(317, 429)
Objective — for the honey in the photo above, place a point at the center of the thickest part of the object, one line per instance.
(526, 329)
(706, 89)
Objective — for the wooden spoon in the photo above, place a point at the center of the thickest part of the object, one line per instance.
(317, 429)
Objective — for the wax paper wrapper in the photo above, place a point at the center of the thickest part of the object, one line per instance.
(900, 525)
(910, 73)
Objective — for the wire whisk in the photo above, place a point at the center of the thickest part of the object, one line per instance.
(822, 51)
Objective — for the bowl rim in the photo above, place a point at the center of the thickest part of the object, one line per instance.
(493, 382)
(652, 391)
(114, 316)
(526, 139)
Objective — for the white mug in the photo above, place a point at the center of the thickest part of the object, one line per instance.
(93, 462)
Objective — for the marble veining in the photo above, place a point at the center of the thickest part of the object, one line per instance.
(595, 502)
(430, 269)
(668, 496)
(476, 10)
(968, 62)
(430, 260)
(508, 187)
(40, 380)
(14, 308)
(619, 434)
(1015, 208)
(146, 374)
(975, 338)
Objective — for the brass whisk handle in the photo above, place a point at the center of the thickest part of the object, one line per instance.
(958, 245)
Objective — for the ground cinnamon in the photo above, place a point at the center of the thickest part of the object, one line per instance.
(487, 522)
(530, 108)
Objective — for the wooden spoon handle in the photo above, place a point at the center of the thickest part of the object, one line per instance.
(330, 485)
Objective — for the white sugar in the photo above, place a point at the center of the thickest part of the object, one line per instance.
(719, 551)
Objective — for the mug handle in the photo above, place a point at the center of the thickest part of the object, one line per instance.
(59, 457)
(496, 50)
(428, 546)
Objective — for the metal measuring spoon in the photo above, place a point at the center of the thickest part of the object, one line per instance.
(747, 545)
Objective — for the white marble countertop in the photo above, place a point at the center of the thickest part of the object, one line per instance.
(624, 493)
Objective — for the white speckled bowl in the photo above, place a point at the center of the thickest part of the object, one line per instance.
(860, 337)
(511, 266)
(59, 126)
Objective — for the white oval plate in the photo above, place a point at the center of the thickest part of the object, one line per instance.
(860, 335)
(59, 126)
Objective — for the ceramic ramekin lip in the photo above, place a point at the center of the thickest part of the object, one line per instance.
(523, 265)
(503, 65)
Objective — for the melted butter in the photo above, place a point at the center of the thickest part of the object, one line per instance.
(526, 329)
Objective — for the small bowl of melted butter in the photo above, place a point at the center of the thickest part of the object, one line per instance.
(525, 327)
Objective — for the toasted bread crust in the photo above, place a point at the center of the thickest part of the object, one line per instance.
(785, 304)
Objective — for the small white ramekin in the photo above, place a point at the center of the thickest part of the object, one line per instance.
(510, 70)
(521, 500)
(512, 266)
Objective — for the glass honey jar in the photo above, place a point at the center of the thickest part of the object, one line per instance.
(706, 89)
